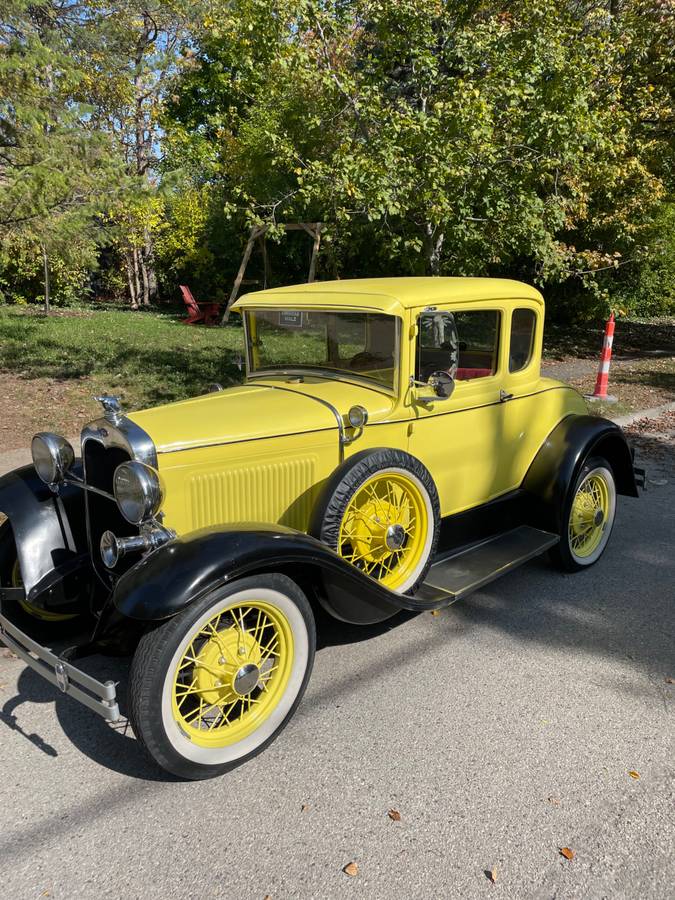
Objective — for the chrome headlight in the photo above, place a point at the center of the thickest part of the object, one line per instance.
(52, 455)
(138, 491)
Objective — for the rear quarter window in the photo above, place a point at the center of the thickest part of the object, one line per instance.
(523, 325)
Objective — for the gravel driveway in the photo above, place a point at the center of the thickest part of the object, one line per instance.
(502, 730)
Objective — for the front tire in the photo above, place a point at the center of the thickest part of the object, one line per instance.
(27, 615)
(214, 686)
(587, 517)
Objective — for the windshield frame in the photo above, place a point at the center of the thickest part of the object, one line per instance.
(318, 371)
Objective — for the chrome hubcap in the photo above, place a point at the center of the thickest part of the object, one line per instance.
(246, 679)
(394, 537)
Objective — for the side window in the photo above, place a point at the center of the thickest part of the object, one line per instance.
(478, 333)
(523, 324)
(436, 344)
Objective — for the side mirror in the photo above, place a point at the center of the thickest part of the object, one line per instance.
(442, 384)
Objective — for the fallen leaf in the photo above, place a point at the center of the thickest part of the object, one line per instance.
(492, 874)
(394, 815)
(634, 774)
(669, 680)
(351, 869)
(567, 853)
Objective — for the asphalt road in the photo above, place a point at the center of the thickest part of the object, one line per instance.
(502, 730)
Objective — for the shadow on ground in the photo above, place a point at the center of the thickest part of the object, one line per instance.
(111, 746)
(631, 338)
(662, 380)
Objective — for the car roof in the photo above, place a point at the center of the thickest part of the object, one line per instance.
(390, 295)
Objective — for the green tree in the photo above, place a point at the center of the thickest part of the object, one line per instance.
(441, 136)
(82, 82)
(56, 169)
(138, 49)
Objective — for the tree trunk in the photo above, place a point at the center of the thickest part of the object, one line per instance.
(433, 244)
(145, 295)
(149, 256)
(137, 276)
(132, 278)
(144, 268)
(45, 261)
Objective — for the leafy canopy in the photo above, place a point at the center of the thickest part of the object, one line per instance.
(459, 137)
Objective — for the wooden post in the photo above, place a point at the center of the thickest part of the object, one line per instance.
(315, 253)
(266, 260)
(258, 232)
(255, 232)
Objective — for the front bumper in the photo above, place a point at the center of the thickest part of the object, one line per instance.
(99, 696)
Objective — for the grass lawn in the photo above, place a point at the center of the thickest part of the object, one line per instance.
(50, 367)
(147, 358)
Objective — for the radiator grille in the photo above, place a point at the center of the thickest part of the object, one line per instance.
(274, 492)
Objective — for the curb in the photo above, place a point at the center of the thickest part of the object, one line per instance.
(652, 413)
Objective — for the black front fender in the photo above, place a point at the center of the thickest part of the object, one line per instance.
(170, 578)
(49, 529)
(558, 462)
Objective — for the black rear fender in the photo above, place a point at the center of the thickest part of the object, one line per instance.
(170, 578)
(48, 529)
(558, 462)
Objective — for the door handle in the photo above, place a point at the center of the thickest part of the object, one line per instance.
(504, 396)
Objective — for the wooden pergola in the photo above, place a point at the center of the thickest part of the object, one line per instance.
(258, 234)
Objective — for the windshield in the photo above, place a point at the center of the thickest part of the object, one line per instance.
(362, 345)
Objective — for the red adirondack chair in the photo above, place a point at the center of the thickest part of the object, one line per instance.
(208, 313)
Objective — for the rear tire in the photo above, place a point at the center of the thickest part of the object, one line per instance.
(203, 693)
(587, 517)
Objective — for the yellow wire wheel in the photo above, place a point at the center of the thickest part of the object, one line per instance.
(591, 514)
(37, 612)
(384, 519)
(214, 685)
(232, 674)
(10, 575)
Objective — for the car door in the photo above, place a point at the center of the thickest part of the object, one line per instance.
(460, 439)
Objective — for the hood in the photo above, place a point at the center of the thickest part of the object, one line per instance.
(244, 413)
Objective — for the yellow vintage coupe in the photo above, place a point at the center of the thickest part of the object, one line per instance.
(392, 447)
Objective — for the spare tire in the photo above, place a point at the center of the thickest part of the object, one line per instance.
(381, 513)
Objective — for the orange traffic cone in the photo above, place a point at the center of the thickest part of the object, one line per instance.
(601, 382)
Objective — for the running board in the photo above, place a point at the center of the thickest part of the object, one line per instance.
(460, 574)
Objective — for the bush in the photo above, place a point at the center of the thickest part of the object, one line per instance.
(22, 273)
(650, 290)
